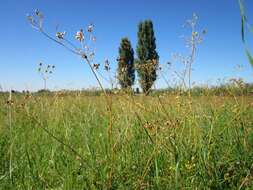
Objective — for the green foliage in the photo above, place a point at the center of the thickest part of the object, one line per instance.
(126, 71)
(147, 62)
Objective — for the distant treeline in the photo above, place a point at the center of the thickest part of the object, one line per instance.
(221, 90)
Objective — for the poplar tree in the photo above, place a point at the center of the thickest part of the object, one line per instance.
(147, 61)
(126, 70)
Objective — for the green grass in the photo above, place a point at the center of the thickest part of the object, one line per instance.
(166, 142)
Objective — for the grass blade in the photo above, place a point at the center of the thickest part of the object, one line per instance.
(250, 57)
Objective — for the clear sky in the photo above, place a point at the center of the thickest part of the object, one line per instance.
(22, 48)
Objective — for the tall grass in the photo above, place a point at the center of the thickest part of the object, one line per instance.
(171, 142)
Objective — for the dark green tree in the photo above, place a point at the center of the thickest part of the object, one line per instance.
(126, 70)
(147, 61)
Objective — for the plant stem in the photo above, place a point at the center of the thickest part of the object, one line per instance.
(10, 128)
(45, 84)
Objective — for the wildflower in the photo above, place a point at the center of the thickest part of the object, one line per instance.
(53, 67)
(60, 35)
(79, 35)
(40, 64)
(90, 28)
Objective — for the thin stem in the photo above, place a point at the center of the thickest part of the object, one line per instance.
(58, 42)
(57, 139)
(193, 50)
(10, 128)
(94, 73)
(45, 83)
(108, 100)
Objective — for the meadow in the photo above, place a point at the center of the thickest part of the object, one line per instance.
(163, 141)
(183, 137)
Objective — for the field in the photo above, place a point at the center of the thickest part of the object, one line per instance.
(74, 141)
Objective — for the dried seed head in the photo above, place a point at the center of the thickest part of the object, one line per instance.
(10, 102)
(93, 38)
(86, 48)
(96, 66)
(204, 32)
(60, 35)
(107, 68)
(79, 35)
(92, 55)
(107, 62)
(37, 12)
(195, 16)
(84, 56)
(194, 33)
(107, 65)
(30, 19)
(90, 28)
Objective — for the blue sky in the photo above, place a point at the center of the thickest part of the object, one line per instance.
(22, 48)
